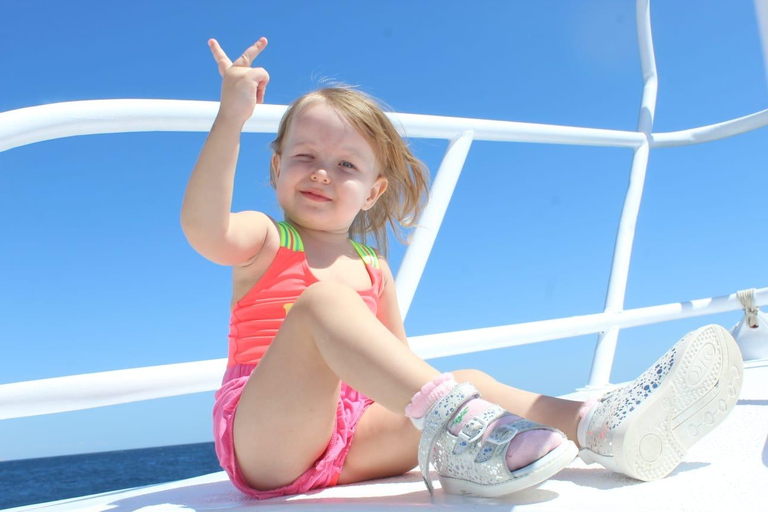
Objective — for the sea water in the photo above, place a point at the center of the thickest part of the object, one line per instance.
(29, 481)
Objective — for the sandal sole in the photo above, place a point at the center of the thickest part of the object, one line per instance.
(699, 392)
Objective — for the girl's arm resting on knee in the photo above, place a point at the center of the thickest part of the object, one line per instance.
(212, 230)
(389, 310)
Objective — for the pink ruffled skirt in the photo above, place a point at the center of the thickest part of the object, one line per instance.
(323, 473)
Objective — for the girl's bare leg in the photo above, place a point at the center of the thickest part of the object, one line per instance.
(385, 444)
(288, 407)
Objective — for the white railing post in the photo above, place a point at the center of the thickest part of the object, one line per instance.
(417, 254)
(605, 350)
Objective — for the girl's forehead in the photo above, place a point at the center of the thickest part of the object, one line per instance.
(321, 123)
(320, 115)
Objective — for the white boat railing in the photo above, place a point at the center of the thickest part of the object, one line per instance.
(62, 394)
(46, 122)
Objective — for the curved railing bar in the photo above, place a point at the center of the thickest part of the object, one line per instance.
(77, 392)
(711, 132)
(648, 65)
(91, 117)
(46, 122)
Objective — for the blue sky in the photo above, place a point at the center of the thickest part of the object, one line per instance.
(96, 274)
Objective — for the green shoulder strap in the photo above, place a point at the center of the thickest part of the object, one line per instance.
(289, 237)
(366, 253)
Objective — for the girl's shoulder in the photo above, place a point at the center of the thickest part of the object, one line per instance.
(271, 243)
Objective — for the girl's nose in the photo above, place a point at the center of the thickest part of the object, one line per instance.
(320, 176)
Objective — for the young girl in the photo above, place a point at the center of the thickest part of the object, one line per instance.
(321, 387)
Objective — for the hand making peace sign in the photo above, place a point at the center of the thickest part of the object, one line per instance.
(242, 86)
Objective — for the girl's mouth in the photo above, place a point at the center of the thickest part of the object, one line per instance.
(314, 197)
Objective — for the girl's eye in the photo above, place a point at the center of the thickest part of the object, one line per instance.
(304, 157)
(348, 165)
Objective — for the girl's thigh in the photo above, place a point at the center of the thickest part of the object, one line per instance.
(385, 444)
(287, 412)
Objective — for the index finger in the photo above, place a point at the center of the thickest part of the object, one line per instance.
(246, 59)
(218, 54)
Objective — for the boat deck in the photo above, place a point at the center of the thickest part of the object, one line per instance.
(727, 470)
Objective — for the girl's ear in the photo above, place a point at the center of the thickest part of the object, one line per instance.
(378, 188)
(275, 163)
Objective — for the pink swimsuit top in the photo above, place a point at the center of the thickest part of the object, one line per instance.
(257, 317)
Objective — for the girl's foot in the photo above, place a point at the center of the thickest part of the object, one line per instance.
(480, 449)
(645, 428)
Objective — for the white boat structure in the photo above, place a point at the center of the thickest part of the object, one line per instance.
(727, 470)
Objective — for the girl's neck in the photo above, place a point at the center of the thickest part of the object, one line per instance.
(327, 240)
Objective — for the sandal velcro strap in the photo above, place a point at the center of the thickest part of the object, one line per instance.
(503, 434)
(476, 427)
(436, 421)
(472, 431)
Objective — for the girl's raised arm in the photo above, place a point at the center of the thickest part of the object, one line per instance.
(210, 227)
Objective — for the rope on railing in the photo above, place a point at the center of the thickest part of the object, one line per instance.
(747, 299)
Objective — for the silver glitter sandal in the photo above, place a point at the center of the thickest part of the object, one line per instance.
(475, 463)
(645, 428)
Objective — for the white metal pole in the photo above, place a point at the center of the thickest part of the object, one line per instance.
(417, 254)
(605, 349)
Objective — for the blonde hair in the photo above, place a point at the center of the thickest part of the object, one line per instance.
(408, 178)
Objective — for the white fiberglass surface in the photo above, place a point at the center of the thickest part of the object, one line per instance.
(726, 470)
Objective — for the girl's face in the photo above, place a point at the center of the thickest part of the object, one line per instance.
(327, 171)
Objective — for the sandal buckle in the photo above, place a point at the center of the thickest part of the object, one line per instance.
(502, 434)
(473, 430)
